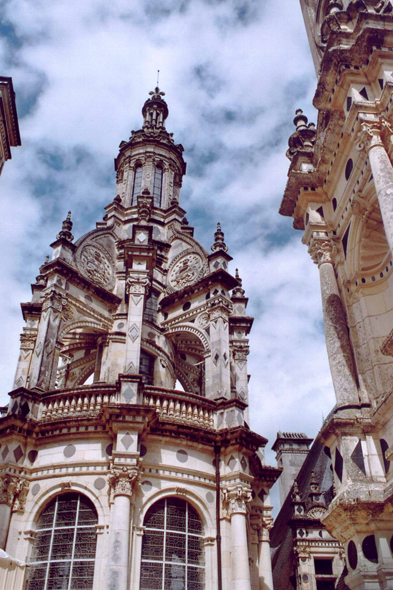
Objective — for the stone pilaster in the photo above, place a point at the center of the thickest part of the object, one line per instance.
(121, 482)
(43, 363)
(338, 345)
(240, 353)
(27, 343)
(137, 287)
(218, 365)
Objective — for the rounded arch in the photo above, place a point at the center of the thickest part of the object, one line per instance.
(191, 330)
(47, 494)
(190, 496)
(84, 324)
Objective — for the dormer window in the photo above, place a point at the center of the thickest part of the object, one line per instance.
(157, 186)
(137, 185)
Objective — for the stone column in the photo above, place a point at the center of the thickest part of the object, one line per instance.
(382, 170)
(44, 356)
(240, 353)
(338, 345)
(137, 286)
(264, 559)
(121, 481)
(13, 493)
(240, 567)
(218, 368)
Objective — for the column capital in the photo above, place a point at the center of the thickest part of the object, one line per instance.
(121, 480)
(54, 300)
(13, 491)
(369, 135)
(321, 250)
(236, 499)
(240, 352)
(137, 284)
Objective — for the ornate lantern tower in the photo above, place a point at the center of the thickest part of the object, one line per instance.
(126, 438)
(339, 193)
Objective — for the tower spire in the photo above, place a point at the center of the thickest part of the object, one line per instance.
(155, 110)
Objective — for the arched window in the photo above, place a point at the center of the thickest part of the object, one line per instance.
(136, 187)
(157, 186)
(65, 545)
(172, 548)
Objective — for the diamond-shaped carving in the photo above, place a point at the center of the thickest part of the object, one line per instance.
(301, 533)
(262, 495)
(142, 237)
(18, 453)
(14, 408)
(243, 463)
(232, 463)
(133, 332)
(4, 452)
(130, 369)
(216, 264)
(216, 358)
(127, 441)
(128, 393)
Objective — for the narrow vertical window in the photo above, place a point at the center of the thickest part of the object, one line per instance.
(65, 545)
(172, 548)
(136, 187)
(157, 186)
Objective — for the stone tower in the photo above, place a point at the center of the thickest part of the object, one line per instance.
(291, 451)
(340, 194)
(127, 459)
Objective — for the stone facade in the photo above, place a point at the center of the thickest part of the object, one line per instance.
(126, 455)
(9, 126)
(339, 193)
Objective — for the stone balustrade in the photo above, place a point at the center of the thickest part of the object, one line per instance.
(183, 408)
(79, 402)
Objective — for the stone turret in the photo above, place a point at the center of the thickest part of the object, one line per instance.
(291, 451)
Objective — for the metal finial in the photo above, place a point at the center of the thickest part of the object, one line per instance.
(158, 77)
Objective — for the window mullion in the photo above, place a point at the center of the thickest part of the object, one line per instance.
(164, 555)
(74, 541)
(51, 544)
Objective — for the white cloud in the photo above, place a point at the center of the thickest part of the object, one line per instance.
(233, 74)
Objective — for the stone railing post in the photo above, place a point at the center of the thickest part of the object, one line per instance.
(237, 499)
(121, 481)
(381, 167)
(338, 345)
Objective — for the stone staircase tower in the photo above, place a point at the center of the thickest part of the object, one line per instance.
(340, 195)
(129, 414)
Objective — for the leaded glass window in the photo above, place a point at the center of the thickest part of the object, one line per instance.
(157, 186)
(137, 184)
(146, 367)
(65, 545)
(172, 549)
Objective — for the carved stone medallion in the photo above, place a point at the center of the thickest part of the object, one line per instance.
(186, 271)
(96, 265)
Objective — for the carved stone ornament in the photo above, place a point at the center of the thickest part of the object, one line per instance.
(316, 513)
(186, 271)
(137, 285)
(54, 301)
(121, 480)
(13, 491)
(27, 341)
(96, 264)
(236, 499)
(145, 203)
(370, 135)
(240, 353)
(321, 251)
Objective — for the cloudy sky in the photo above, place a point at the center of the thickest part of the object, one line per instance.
(233, 71)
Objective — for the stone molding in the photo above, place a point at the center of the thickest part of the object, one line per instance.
(54, 300)
(13, 491)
